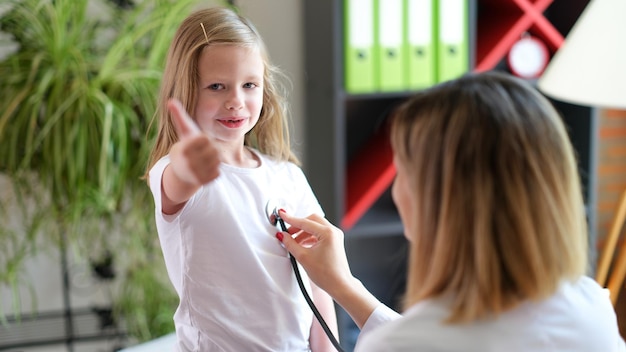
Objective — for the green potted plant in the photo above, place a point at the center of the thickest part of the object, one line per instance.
(77, 96)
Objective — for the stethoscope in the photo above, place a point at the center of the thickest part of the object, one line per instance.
(271, 210)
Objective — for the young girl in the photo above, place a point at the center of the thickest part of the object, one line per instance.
(211, 175)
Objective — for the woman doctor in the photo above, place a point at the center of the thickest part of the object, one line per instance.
(488, 192)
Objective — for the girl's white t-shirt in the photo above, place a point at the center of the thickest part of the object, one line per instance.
(236, 285)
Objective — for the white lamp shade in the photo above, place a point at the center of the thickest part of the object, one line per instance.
(590, 67)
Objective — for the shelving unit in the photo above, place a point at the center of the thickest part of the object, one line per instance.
(348, 157)
(350, 167)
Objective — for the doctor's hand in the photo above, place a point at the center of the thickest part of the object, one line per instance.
(318, 246)
(194, 158)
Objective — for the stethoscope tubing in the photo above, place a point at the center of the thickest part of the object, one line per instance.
(308, 299)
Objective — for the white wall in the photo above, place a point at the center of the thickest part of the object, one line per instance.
(281, 26)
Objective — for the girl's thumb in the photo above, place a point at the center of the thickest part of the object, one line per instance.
(183, 123)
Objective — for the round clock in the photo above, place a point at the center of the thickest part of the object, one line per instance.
(528, 57)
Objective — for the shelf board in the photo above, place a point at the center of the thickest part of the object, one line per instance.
(377, 229)
(401, 94)
(380, 220)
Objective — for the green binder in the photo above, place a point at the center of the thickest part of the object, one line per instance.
(420, 42)
(359, 63)
(452, 50)
(390, 45)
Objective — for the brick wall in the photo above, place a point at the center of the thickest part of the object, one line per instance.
(611, 181)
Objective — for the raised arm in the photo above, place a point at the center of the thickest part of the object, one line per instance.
(194, 161)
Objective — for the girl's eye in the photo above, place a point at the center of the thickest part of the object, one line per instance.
(249, 85)
(216, 86)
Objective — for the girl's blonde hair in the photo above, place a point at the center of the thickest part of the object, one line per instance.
(500, 216)
(219, 26)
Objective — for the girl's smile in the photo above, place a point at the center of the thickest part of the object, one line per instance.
(232, 123)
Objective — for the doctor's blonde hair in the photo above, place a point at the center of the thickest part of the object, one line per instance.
(500, 216)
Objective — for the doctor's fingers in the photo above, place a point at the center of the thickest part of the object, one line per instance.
(305, 239)
(315, 225)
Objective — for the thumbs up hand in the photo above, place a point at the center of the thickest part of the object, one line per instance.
(194, 159)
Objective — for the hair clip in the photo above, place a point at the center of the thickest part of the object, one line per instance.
(204, 30)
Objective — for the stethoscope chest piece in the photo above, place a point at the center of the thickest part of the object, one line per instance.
(271, 211)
